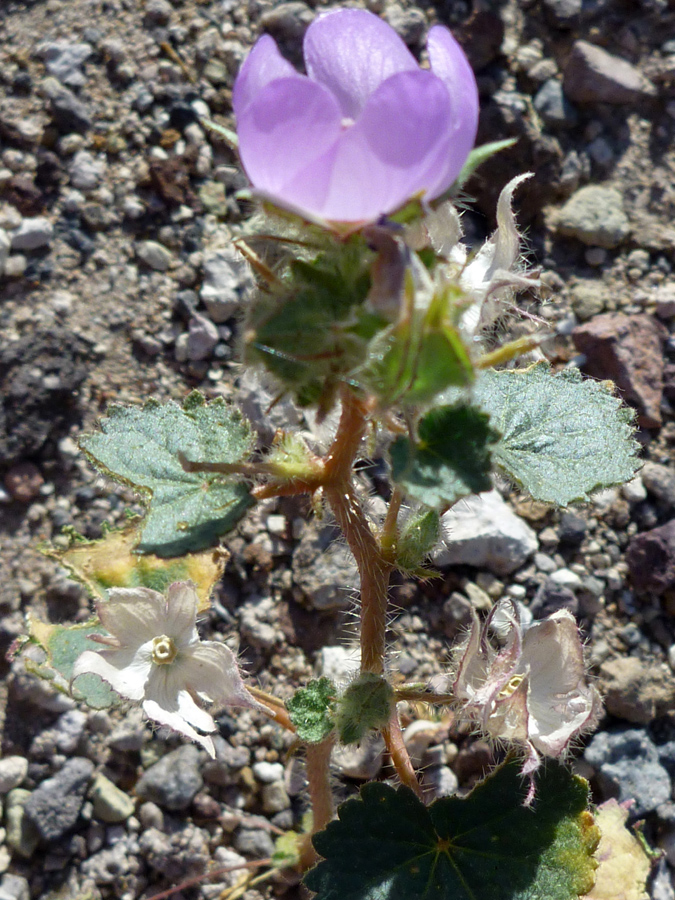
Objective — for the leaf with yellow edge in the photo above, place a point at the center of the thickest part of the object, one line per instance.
(623, 863)
(112, 563)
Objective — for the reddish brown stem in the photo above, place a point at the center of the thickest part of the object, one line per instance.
(321, 796)
(398, 753)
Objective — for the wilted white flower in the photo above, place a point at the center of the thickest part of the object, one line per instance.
(532, 690)
(490, 277)
(155, 657)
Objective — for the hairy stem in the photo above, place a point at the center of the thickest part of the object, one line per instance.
(321, 796)
(274, 708)
(398, 752)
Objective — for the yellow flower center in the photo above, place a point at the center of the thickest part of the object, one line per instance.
(510, 687)
(163, 650)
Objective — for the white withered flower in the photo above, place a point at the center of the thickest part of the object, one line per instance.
(531, 690)
(155, 657)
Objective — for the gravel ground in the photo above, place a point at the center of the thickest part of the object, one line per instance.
(117, 282)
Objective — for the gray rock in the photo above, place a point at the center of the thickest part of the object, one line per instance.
(182, 854)
(636, 690)
(274, 798)
(33, 233)
(628, 765)
(595, 216)
(592, 75)
(660, 482)
(158, 12)
(324, 570)
(651, 559)
(14, 887)
(662, 885)
(69, 730)
(174, 780)
(551, 597)
(255, 843)
(267, 772)
(64, 61)
(223, 770)
(554, 107)
(113, 865)
(86, 171)
(287, 21)
(69, 113)
(110, 803)
(154, 255)
(54, 806)
(258, 622)
(5, 244)
(441, 780)
(202, 338)
(22, 835)
(360, 761)
(13, 770)
(227, 281)
(483, 531)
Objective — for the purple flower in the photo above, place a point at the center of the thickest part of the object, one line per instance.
(365, 130)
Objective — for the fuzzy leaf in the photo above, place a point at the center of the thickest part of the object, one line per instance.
(61, 645)
(365, 706)
(387, 845)
(452, 458)
(311, 708)
(141, 446)
(479, 155)
(624, 865)
(112, 563)
(418, 537)
(563, 436)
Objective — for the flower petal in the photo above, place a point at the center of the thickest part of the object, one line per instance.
(561, 703)
(211, 669)
(450, 64)
(126, 672)
(263, 64)
(351, 52)
(391, 153)
(132, 615)
(283, 131)
(175, 720)
(181, 613)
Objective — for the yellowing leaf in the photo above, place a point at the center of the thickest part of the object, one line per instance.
(112, 563)
(623, 864)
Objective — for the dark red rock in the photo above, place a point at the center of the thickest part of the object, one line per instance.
(651, 559)
(592, 75)
(629, 351)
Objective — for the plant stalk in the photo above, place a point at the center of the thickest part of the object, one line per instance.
(320, 793)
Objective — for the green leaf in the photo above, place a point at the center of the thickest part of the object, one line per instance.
(188, 511)
(311, 708)
(452, 458)
(61, 645)
(418, 537)
(479, 155)
(306, 333)
(387, 845)
(365, 706)
(420, 356)
(563, 436)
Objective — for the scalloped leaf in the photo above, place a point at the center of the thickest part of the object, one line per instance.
(452, 458)
(419, 535)
(563, 436)
(58, 646)
(142, 446)
(387, 845)
(112, 563)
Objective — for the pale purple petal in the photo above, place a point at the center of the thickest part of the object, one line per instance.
(391, 153)
(211, 669)
(125, 672)
(282, 132)
(263, 64)
(351, 52)
(181, 613)
(132, 615)
(450, 64)
(175, 720)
